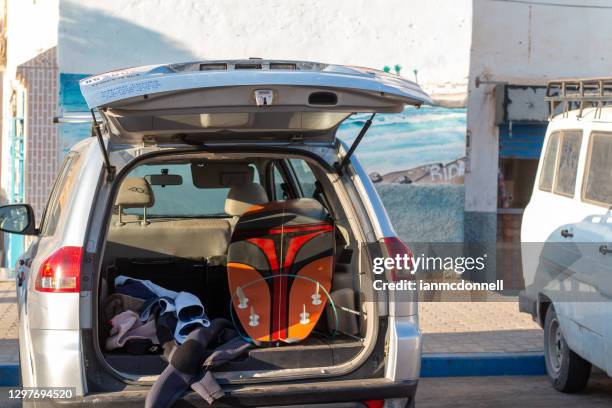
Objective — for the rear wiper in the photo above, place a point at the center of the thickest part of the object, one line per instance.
(340, 166)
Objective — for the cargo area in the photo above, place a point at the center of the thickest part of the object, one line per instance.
(219, 228)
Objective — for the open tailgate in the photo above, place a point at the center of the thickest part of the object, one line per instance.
(241, 100)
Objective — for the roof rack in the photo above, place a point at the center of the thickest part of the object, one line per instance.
(578, 94)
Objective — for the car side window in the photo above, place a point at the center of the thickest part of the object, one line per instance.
(597, 185)
(548, 166)
(305, 177)
(277, 183)
(567, 164)
(59, 194)
(256, 176)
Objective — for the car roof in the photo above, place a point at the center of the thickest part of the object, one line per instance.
(590, 114)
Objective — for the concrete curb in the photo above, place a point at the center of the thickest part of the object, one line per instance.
(485, 364)
(432, 365)
(9, 375)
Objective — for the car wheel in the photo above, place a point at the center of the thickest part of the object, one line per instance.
(567, 371)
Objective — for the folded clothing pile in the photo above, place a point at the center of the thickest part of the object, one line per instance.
(143, 315)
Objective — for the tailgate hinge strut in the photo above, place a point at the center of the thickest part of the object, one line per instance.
(110, 169)
(339, 166)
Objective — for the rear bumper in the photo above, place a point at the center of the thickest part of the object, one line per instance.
(265, 395)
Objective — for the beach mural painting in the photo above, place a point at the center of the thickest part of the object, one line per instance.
(420, 145)
(417, 161)
(416, 158)
(424, 146)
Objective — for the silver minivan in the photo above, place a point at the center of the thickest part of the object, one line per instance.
(189, 137)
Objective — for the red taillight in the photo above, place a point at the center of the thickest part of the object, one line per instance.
(60, 272)
(395, 247)
(374, 403)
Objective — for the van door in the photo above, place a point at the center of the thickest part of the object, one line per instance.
(594, 236)
(552, 251)
(241, 101)
(553, 196)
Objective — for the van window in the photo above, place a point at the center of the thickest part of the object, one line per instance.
(598, 181)
(304, 175)
(567, 165)
(59, 195)
(548, 167)
(184, 200)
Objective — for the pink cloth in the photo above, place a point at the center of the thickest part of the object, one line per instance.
(127, 326)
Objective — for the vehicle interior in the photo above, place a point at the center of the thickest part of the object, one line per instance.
(174, 223)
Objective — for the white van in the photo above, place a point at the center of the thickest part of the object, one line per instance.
(566, 235)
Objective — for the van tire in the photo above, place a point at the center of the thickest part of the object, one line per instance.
(568, 372)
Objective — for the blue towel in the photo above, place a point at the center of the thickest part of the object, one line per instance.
(165, 305)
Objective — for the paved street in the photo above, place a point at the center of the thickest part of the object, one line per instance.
(460, 327)
(8, 323)
(500, 392)
(477, 327)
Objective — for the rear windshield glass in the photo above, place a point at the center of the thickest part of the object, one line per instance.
(192, 197)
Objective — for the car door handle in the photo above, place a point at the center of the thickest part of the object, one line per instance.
(604, 250)
(566, 234)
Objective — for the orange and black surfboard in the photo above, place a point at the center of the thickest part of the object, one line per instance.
(280, 265)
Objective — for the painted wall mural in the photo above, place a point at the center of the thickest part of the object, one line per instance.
(417, 161)
(416, 158)
(425, 145)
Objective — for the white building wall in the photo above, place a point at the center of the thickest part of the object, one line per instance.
(526, 43)
(530, 43)
(431, 36)
(31, 30)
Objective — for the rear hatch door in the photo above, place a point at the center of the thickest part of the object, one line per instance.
(241, 100)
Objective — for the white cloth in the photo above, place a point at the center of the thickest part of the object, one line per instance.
(187, 307)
